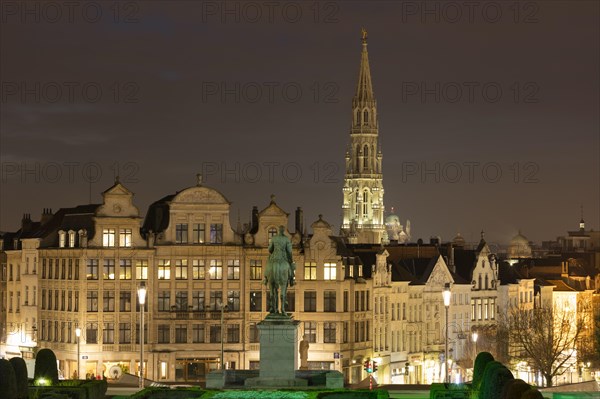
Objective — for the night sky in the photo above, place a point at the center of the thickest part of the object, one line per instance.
(498, 101)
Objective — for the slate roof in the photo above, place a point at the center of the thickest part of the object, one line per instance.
(157, 217)
(76, 218)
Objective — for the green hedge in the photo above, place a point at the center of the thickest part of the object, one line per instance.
(74, 389)
(495, 377)
(21, 375)
(8, 380)
(482, 359)
(45, 366)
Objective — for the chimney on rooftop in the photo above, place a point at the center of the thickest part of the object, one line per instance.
(26, 222)
(46, 215)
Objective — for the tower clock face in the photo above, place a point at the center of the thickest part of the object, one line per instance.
(116, 208)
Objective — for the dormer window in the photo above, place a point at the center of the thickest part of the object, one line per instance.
(271, 233)
(62, 239)
(108, 237)
(71, 239)
(125, 237)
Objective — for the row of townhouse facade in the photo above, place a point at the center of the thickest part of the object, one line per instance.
(81, 267)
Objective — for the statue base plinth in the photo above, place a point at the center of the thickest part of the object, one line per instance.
(278, 353)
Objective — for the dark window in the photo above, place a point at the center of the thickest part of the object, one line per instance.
(329, 298)
(125, 301)
(329, 332)
(310, 330)
(216, 233)
(180, 333)
(198, 333)
(181, 233)
(233, 333)
(256, 301)
(124, 333)
(310, 301)
(215, 333)
(108, 301)
(92, 301)
(164, 334)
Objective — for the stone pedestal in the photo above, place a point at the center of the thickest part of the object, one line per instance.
(278, 353)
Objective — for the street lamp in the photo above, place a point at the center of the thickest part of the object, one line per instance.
(142, 299)
(474, 337)
(223, 309)
(447, 295)
(78, 335)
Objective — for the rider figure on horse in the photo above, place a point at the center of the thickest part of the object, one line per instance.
(280, 271)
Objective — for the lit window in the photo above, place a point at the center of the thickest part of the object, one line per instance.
(255, 269)
(216, 269)
(310, 270)
(108, 237)
(330, 271)
(125, 269)
(181, 269)
(164, 269)
(141, 269)
(198, 269)
(125, 237)
(109, 269)
(62, 239)
(92, 269)
(233, 269)
(71, 239)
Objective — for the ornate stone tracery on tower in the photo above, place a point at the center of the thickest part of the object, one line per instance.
(363, 209)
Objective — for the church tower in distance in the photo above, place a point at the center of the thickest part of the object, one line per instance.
(363, 220)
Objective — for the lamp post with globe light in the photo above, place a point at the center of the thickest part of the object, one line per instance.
(142, 299)
(78, 335)
(447, 295)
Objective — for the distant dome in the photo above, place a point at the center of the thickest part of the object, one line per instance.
(519, 247)
(392, 219)
(459, 240)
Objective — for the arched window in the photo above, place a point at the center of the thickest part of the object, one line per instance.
(357, 158)
(366, 157)
(365, 202)
(358, 117)
(479, 286)
(486, 281)
(366, 117)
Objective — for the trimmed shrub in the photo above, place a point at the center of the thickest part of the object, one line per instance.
(532, 394)
(45, 366)
(21, 375)
(513, 389)
(482, 359)
(8, 380)
(496, 375)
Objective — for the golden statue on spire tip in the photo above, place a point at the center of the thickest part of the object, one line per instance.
(364, 35)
